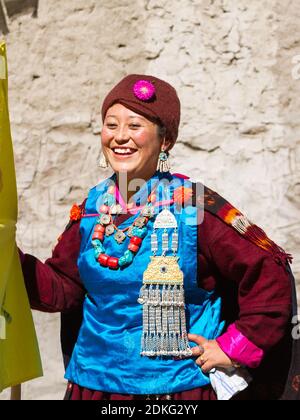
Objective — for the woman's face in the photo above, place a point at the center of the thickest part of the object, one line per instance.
(130, 142)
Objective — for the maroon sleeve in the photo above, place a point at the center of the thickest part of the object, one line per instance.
(55, 286)
(264, 291)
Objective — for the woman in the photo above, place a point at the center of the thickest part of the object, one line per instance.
(161, 269)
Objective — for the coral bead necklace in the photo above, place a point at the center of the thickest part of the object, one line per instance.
(105, 227)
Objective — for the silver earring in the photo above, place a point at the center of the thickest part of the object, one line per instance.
(163, 162)
(103, 162)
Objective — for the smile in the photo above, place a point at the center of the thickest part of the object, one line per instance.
(123, 151)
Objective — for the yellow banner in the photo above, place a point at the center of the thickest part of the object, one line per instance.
(19, 353)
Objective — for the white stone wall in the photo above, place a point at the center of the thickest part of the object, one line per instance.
(234, 64)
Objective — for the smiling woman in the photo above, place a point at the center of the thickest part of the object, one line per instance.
(182, 293)
(131, 143)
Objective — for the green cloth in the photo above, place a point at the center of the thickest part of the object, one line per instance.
(19, 352)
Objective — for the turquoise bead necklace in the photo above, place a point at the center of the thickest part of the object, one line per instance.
(105, 227)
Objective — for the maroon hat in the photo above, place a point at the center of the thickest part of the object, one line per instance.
(149, 96)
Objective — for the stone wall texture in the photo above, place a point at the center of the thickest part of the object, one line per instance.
(236, 67)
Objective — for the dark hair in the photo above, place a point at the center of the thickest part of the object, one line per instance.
(162, 131)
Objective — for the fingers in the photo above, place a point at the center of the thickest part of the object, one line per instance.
(198, 339)
(211, 357)
(207, 366)
(197, 351)
(206, 352)
(201, 341)
(205, 363)
(202, 359)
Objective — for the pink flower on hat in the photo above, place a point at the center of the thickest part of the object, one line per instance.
(144, 90)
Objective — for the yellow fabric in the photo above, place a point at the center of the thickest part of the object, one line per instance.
(19, 353)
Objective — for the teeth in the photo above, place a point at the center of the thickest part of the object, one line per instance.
(123, 151)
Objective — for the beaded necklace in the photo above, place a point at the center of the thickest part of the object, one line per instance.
(105, 227)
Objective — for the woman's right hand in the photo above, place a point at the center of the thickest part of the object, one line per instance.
(209, 354)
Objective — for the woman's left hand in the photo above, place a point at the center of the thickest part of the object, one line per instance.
(209, 354)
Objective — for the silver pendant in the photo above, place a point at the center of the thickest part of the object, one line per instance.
(163, 270)
(162, 296)
(120, 236)
(148, 211)
(116, 209)
(174, 246)
(140, 222)
(105, 219)
(129, 232)
(109, 230)
(165, 220)
(154, 242)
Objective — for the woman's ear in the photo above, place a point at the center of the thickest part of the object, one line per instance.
(166, 145)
